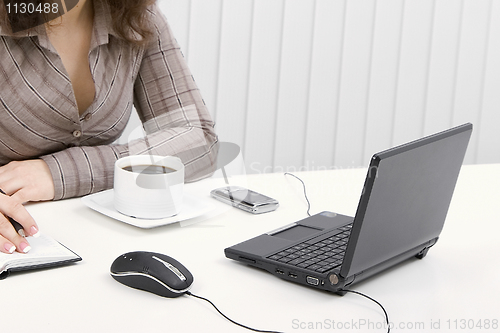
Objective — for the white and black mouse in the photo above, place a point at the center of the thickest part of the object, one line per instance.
(153, 272)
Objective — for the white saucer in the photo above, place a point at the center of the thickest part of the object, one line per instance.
(102, 202)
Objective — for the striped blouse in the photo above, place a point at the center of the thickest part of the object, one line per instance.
(39, 117)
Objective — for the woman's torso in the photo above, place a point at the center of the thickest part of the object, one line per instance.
(46, 107)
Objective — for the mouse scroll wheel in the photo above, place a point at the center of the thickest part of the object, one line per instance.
(172, 268)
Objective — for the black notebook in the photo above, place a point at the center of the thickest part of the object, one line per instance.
(45, 252)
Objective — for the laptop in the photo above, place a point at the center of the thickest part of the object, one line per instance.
(400, 215)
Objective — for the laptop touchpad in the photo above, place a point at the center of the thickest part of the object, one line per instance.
(296, 232)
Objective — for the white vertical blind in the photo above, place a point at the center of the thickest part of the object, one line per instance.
(324, 89)
(355, 73)
(488, 150)
(263, 85)
(326, 83)
(294, 80)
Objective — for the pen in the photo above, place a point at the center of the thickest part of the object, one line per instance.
(19, 228)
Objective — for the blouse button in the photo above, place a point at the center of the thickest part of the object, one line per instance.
(77, 134)
(88, 117)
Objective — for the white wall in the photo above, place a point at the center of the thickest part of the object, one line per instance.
(324, 83)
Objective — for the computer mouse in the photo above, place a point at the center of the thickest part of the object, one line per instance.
(153, 272)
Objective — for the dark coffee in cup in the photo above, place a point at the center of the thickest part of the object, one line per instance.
(149, 169)
(148, 186)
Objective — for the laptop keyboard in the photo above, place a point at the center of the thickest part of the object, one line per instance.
(319, 254)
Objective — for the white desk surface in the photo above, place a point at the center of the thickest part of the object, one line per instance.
(454, 289)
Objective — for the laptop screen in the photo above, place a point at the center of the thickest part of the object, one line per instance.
(405, 202)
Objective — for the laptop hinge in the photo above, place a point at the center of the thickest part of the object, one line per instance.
(339, 283)
(366, 273)
(286, 227)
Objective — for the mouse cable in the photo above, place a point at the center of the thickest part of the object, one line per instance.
(256, 330)
(305, 194)
(345, 290)
(222, 314)
(375, 301)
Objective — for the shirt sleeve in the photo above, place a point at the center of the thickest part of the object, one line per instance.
(174, 117)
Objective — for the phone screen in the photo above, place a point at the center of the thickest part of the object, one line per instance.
(247, 196)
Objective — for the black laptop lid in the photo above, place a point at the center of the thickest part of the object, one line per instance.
(405, 199)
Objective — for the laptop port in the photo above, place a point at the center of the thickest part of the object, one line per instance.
(247, 260)
(292, 275)
(312, 280)
(279, 271)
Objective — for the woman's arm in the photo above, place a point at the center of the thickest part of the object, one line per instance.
(170, 106)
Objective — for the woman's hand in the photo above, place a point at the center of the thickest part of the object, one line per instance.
(28, 180)
(10, 240)
(22, 182)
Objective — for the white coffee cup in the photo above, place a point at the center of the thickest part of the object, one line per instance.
(148, 186)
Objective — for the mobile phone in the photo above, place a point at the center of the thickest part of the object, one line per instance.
(245, 199)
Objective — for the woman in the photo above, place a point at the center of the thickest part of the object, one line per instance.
(67, 90)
